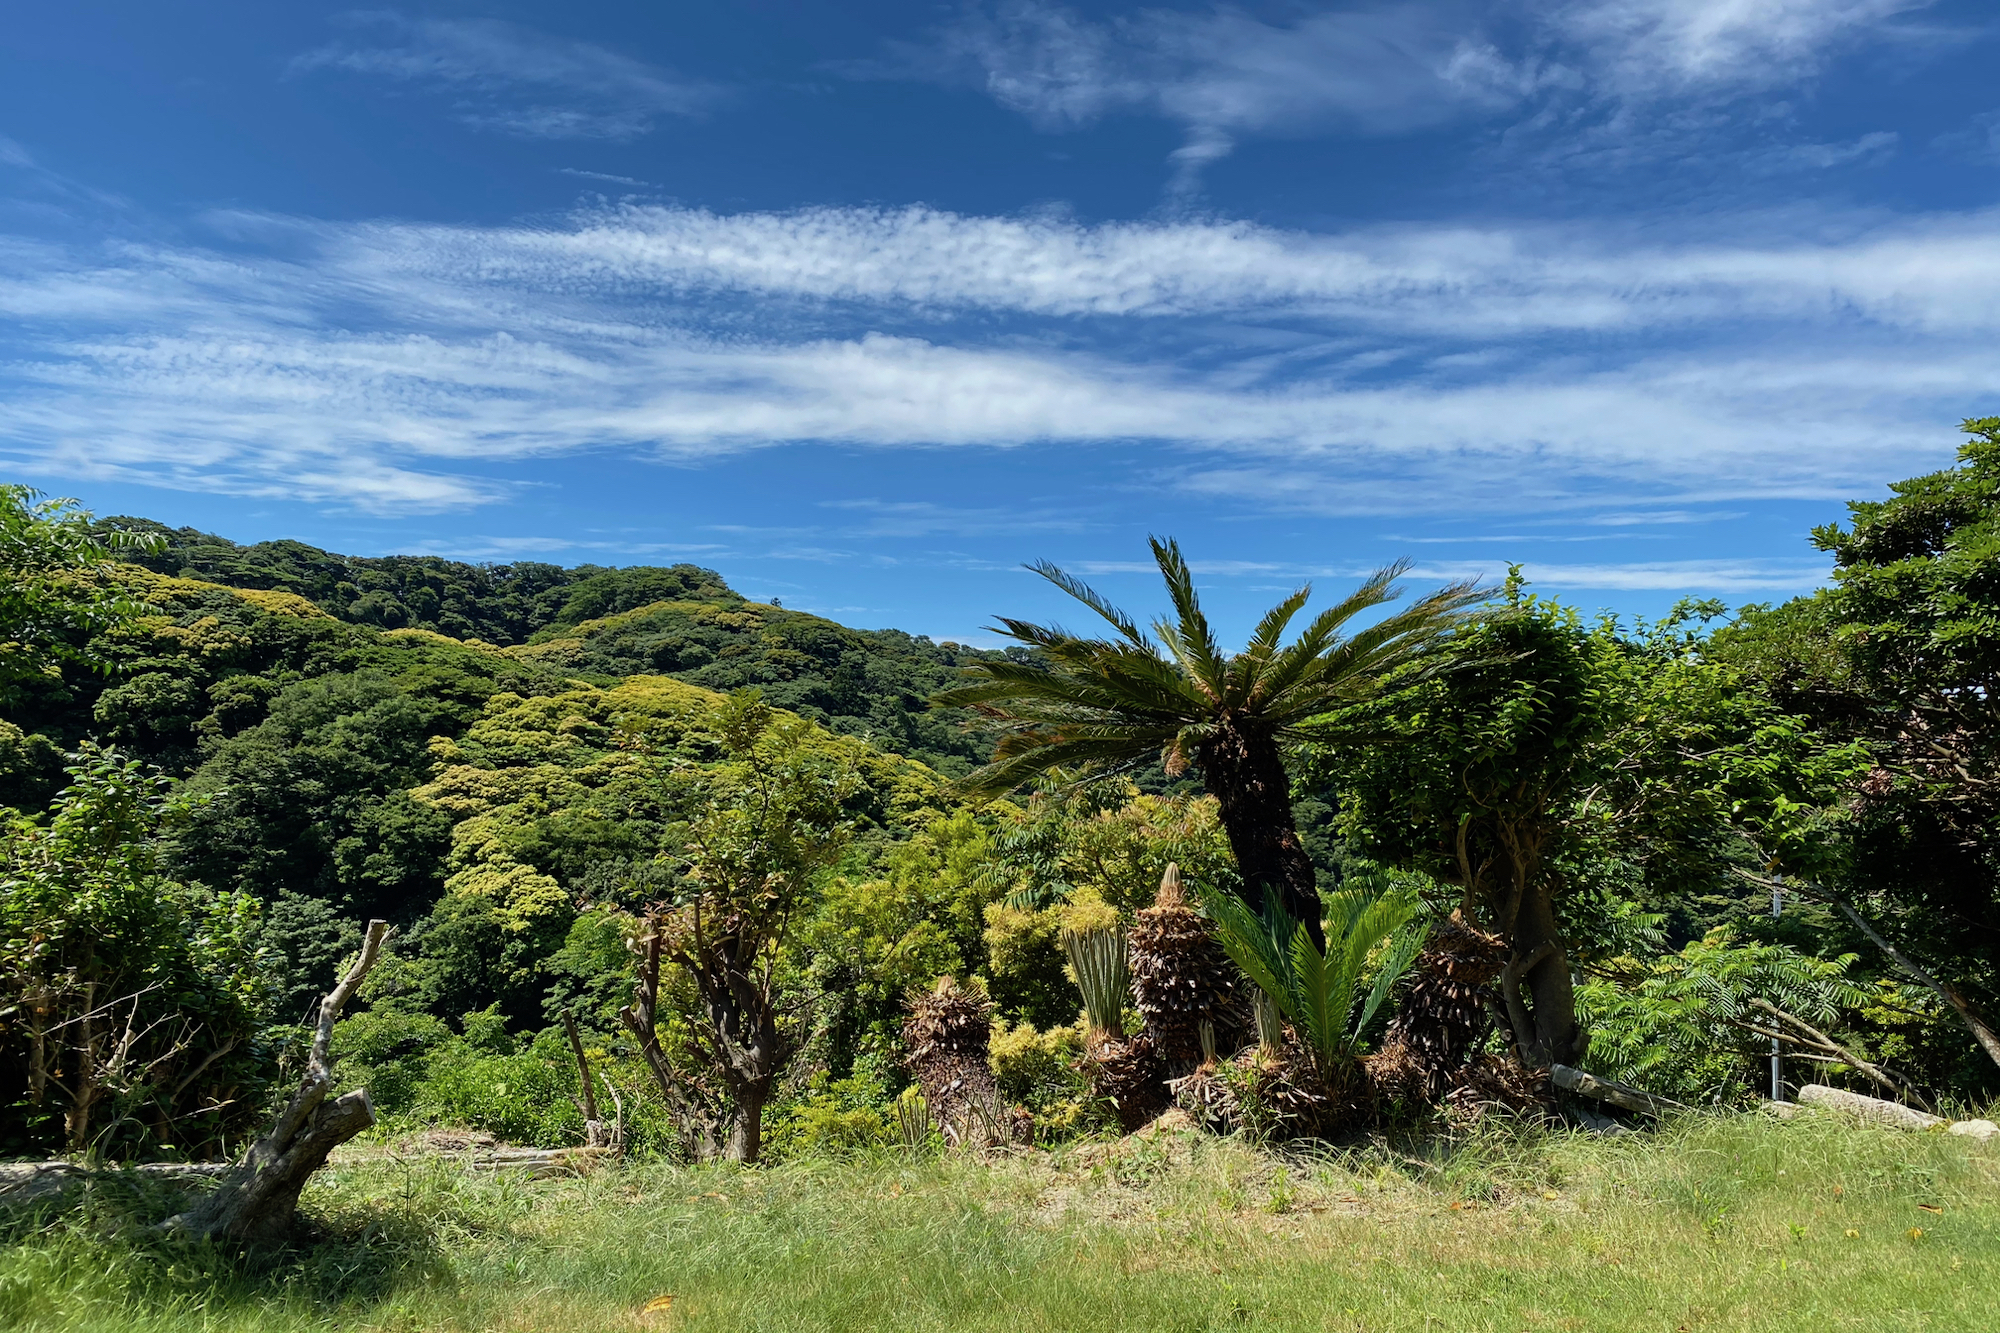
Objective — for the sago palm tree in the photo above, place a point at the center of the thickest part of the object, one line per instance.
(1097, 706)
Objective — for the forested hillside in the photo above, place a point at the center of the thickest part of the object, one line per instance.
(506, 803)
(600, 623)
(1385, 871)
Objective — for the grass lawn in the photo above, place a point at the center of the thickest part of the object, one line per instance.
(1737, 1222)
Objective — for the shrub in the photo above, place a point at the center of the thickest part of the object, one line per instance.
(1041, 1071)
(522, 1097)
(387, 1050)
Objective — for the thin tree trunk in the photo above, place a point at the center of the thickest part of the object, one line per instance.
(641, 1019)
(1246, 774)
(595, 1135)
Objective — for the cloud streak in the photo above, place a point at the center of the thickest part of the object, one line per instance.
(1225, 74)
(515, 80)
(395, 367)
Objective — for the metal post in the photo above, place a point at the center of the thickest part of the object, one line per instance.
(1777, 1060)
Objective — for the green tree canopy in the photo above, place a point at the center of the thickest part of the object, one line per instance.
(54, 586)
(1902, 654)
(1547, 747)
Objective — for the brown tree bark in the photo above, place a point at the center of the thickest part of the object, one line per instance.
(595, 1133)
(1538, 975)
(259, 1197)
(1246, 775)
(641, 1018)
(745, 1029)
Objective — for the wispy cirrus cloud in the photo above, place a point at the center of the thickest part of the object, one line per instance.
(1935, 272)
(1651, 48)
(396, 367)
(1729, 575)
(512, 79)
(1223, 73)
(1226, 73)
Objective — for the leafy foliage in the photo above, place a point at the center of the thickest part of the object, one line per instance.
(1687, 1028)
(499, 604)
(1551, 760)
(1902, 654)
(1318, 990)
(869, 683)
(132, 1020)
(54, 592)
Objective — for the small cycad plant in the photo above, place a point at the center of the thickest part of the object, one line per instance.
(1320, 993)
(1099, 960)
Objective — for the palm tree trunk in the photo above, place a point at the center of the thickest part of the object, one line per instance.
(1246, 775)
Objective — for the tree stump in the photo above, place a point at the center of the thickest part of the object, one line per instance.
(259, 1197)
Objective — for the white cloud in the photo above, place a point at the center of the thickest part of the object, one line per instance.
(1736, 576)
(1652, 47)
(1399, 66)
(400, 367)
(500, 71)
(1730, 576)
(1497, 285)
(1222, 73)
(1978, 139)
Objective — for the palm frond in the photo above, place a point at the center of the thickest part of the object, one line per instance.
(1191, 641)
(1105, 702)
(1093, 599)
(1095, 757)
(1251, 666)
(1317, 990)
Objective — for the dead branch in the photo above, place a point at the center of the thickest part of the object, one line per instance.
(1603, 1090)
(1829, 1048)
(1968, 1014)
(260, 1195)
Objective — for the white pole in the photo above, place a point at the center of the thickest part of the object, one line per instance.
(1777, 1060)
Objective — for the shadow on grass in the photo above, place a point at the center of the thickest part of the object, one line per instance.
(95, 1246)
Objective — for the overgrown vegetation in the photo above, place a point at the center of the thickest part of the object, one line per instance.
(795, 914)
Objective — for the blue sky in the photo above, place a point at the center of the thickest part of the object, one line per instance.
(866, 304)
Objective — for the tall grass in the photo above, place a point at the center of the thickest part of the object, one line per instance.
(1737, 1223)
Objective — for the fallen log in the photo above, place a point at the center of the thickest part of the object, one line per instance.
(541, 1163)
(258, 1198)
(1872, 1109)
(31, 1182)
(1617, 1094)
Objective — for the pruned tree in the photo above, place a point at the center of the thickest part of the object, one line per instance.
(1545, 744)
(752, 835)
(258, 1199)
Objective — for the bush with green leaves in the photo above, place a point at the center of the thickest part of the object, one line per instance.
(1318, 992)
(1693, 1024)
(1042, 1071)
(132, 1018)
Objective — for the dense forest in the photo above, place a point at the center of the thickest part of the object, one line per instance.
(1413, 858)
